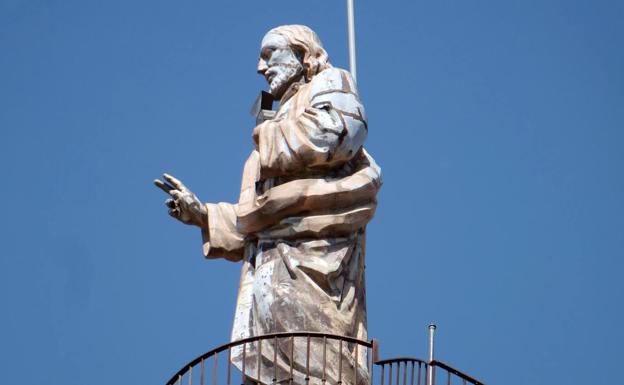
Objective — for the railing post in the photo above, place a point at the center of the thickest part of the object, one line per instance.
(432, 328)
(375, 349)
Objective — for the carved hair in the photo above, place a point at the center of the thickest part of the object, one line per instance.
(307, 44)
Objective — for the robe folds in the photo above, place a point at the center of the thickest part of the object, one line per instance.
(307, 192)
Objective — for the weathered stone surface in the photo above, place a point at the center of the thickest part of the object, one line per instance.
(308, 190)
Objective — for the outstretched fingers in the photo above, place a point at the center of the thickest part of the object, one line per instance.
(180, 198)
(174, 182)
(163, 186)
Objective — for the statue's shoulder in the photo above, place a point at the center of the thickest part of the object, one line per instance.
(333, 79)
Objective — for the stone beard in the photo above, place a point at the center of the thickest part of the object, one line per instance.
(308, 190)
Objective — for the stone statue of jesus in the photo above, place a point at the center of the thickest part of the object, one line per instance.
(308, 190)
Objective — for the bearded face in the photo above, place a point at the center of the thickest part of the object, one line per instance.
(279, 64)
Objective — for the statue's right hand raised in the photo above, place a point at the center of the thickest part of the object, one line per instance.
(183, 204)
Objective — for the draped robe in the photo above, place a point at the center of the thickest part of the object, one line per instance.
(307, 192)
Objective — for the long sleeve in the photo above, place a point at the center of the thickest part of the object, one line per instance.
(221, 239)
(324, 127)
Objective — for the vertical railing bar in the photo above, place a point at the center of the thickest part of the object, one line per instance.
(179, 379)
(323, 379)
(292, 356)
(390, 375)
(419, 374)
(340, 363)
(229, 366)
(383, 373)
(201, 372)
(244, 362)
(449, 378)
(190, 375)
(398, 380)
(307, 379)
(464, 381)
(405, 373)
(274, 359)
(433, 372)
(393, 371)
(259, 360)
(355, 367)
(214, 369)
(412, 373)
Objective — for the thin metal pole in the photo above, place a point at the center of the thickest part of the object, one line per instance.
(351, 24)
(432, 328)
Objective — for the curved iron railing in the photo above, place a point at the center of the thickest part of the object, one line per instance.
(394, 371)
(393, 366)
(452, 372)
(185, 374)
(418, 372)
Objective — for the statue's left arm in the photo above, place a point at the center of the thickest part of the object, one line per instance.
(327, 128)
(221, 236)
(217, 221)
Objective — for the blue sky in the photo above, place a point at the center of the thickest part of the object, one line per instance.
(499, 127)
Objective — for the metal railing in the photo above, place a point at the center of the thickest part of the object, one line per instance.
(391, 372)
(414, 371)
(210, 367)
(210, 364)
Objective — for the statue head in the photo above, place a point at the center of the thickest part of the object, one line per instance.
(288, 54)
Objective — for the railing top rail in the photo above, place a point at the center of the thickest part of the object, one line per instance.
(464, 376)
(197, 360)
(399, 359)
(456, 372)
